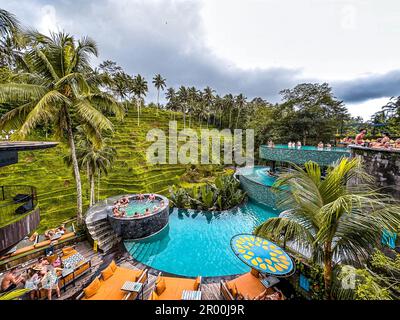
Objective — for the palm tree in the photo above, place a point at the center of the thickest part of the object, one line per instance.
(183, 97)
(208, 98)
(140, 89)
(159, 83)
(240, 104)
(10, 37)
(59, 88)
(228, 105)
(172, 100)
(336, 220)
(94, 156)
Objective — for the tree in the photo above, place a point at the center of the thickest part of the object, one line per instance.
(10, 38)
(183, 98)
(329, 216)
(95, 157)
(240, 104)
(311, 112)
(59, 88)
(140, 89)
(160, 83)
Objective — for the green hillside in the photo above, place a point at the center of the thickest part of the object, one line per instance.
(46, 170)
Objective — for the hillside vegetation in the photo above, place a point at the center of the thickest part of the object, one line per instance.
(130, 172)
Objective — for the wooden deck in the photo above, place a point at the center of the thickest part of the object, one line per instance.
(210, 290)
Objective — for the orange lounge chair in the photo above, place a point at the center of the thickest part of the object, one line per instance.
(248, 286)
(169, 288)
(108, 285)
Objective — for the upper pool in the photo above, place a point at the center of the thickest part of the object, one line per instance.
(198, 242)
(310, 148)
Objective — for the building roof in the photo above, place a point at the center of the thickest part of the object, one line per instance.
(25, 145)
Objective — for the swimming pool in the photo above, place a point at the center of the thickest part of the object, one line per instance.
(258, 174)
(140, 206)
(198, 242)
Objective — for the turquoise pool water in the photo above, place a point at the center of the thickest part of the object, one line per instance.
(198, 242)
(258, 174)
(140, 206)
(311, 148)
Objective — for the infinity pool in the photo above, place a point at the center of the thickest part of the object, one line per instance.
(198, 242)
(258, 174)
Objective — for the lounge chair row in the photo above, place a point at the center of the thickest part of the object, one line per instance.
(109, 286)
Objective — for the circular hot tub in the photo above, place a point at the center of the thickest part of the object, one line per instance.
(136, 222)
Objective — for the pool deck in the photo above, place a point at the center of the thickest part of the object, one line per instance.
(210, 289)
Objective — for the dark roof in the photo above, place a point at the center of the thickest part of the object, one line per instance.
(25, 145)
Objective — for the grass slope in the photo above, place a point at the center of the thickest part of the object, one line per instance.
(46, 170)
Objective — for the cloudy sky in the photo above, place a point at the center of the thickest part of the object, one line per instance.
(257, 47)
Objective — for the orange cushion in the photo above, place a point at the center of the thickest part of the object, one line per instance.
(92, 288)
(197, 284)
(107, 273)
(113, 266)
(154, 296)
(160, 286)
(67, 250)
(67, 235)
(42, 244)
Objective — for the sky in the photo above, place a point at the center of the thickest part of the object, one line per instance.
(254, 47)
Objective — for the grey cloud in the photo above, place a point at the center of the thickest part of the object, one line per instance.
(166, 37)
(369, 87)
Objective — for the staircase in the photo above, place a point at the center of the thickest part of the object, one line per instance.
(102, 232)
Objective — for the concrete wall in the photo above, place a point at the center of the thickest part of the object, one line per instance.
(384, 165)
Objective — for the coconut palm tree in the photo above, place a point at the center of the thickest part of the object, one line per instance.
(139, 89)
(160, 83)
(335, 219)
(208, 98)
(10, 38)
(183, 98)
(59, 88)
(240, 101)
(95, 157)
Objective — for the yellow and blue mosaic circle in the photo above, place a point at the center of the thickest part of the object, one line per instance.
(262, 254)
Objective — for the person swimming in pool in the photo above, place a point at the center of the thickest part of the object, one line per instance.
(147, 212)
(320, 145)
(152, 197)
(141, 196)
(124, 201)
(328, 146)
(298, 145)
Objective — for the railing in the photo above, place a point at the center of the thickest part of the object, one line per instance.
(15, 202)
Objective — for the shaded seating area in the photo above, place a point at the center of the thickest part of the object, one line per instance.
(35, 244)
(110, 283)
(171, 288)
(248, 287)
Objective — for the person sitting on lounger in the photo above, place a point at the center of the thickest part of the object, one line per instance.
(61, 229)
(49, 234)
(11, 280)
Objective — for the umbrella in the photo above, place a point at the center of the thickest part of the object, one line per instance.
(263, 255)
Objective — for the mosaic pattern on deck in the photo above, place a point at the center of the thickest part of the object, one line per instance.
(322, 157)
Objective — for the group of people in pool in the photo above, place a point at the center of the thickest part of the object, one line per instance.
(121, 204)
(384, 142)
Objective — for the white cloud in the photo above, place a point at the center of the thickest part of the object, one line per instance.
(367, 108)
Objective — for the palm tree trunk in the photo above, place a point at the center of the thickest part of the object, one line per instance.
(138, 111)
(230, 117)
(237, 119)
(158, 98)
(92, 194)
(328, 270)
(78, 182)
(98, 186)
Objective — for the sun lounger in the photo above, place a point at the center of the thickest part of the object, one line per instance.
(171, 288)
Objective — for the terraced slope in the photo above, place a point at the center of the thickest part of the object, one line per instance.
(130, 173)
